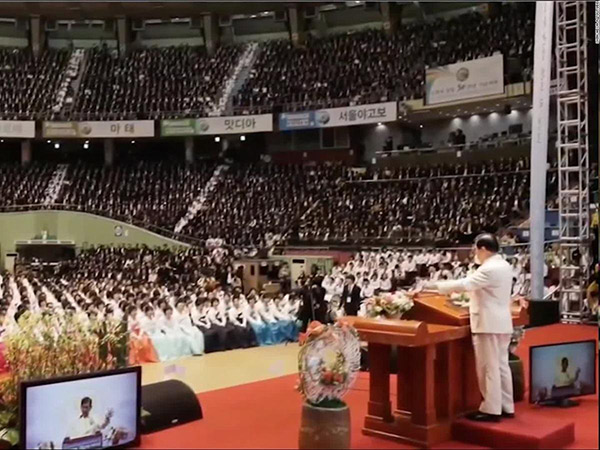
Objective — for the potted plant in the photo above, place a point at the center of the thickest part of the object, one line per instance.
(516, 364)
(46, 347)
(328, 363)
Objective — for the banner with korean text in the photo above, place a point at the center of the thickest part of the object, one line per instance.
(463, 80)
(99, 129)
(217, 125)
(17, 129)
(339, 117)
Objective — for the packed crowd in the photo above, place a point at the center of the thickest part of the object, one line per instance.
(28, 84)
(359, 67)
(153, 193)
(24, 185)
(175, 304)
(256, 206)
(153, 83)
(370, 67)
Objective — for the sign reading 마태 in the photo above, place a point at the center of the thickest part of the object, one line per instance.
(99, 129)
(469, 79)
(339, 117)
(217, 125)
(17, 128)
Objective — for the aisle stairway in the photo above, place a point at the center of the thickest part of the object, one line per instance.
(55, 184)
(233, 84)
(199, 203)
(69, 86)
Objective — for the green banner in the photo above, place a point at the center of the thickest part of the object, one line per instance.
(179, 127)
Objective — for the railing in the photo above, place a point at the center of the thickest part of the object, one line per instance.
(469, 146)
(187, 239)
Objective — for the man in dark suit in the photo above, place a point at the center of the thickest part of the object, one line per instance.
(351, 296)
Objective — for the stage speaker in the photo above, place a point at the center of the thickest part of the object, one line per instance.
(543, 312)
(168, 404)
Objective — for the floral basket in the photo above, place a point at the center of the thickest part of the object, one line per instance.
(328, 363)
(46, 347)
(388, 306)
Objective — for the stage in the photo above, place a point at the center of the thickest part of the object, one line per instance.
(262, 409)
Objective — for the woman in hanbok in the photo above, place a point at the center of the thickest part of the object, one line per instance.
(366, 291)
(212, 343)
(182, 344)
(263, 309)
(261, 329)
(165, 345)
(385, 284)
(281, 311)
(244, 333)
(218, 321)
(194, 335)
(141, 349)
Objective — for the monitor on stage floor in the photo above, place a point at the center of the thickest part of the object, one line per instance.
(97, 410)
(562, 371)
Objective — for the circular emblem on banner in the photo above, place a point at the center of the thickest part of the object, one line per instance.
(86, 129)
(118, 230)
(203, 126)
(322, 117)
(462, 74)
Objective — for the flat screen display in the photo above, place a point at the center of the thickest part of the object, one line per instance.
(100, 410)
(562, 371)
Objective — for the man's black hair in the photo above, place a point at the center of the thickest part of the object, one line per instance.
(86, 400)
(487, 241)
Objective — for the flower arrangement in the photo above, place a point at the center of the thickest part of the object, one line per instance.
(328, 363)
(388, 306)
(47, 346)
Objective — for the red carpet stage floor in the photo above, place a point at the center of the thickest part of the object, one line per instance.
(266, 414)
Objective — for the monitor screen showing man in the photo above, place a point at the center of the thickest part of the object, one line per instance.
(94, 412)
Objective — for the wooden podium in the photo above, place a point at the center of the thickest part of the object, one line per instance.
(436, 380)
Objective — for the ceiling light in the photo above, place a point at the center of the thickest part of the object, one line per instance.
(421, 126)
(242, 138)
(217, 139)
(57, 146)
(49, 141)
(86, 145)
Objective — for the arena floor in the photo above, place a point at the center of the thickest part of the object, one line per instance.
(226, 369)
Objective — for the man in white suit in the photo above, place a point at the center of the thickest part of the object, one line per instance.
(491, 326)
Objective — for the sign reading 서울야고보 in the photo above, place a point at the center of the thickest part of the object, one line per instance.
(217, 125)
(99, 129)
(17, 128)
(339, 117)
(468, 79)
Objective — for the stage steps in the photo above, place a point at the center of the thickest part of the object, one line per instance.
(526, 430)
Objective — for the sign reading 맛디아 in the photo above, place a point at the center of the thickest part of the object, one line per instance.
(339, 117)
(17, 128)
(468, 79)
(217, 125)
(99, 129)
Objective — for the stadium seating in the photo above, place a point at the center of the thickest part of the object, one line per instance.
(155, 194)
(28, 85)
(153, 83)
(367, 66)
(252, 206)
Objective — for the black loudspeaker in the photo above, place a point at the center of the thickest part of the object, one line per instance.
(168, 404)
(543, 312)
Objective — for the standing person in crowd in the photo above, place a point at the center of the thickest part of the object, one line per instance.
(351, 296)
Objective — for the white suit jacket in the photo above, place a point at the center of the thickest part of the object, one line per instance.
(490, 292)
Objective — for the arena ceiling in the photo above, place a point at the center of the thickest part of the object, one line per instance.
(139, 9)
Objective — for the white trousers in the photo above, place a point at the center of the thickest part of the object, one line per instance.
(493, 372)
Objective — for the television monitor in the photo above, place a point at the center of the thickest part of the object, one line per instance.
(559, 372)
(96, 410)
